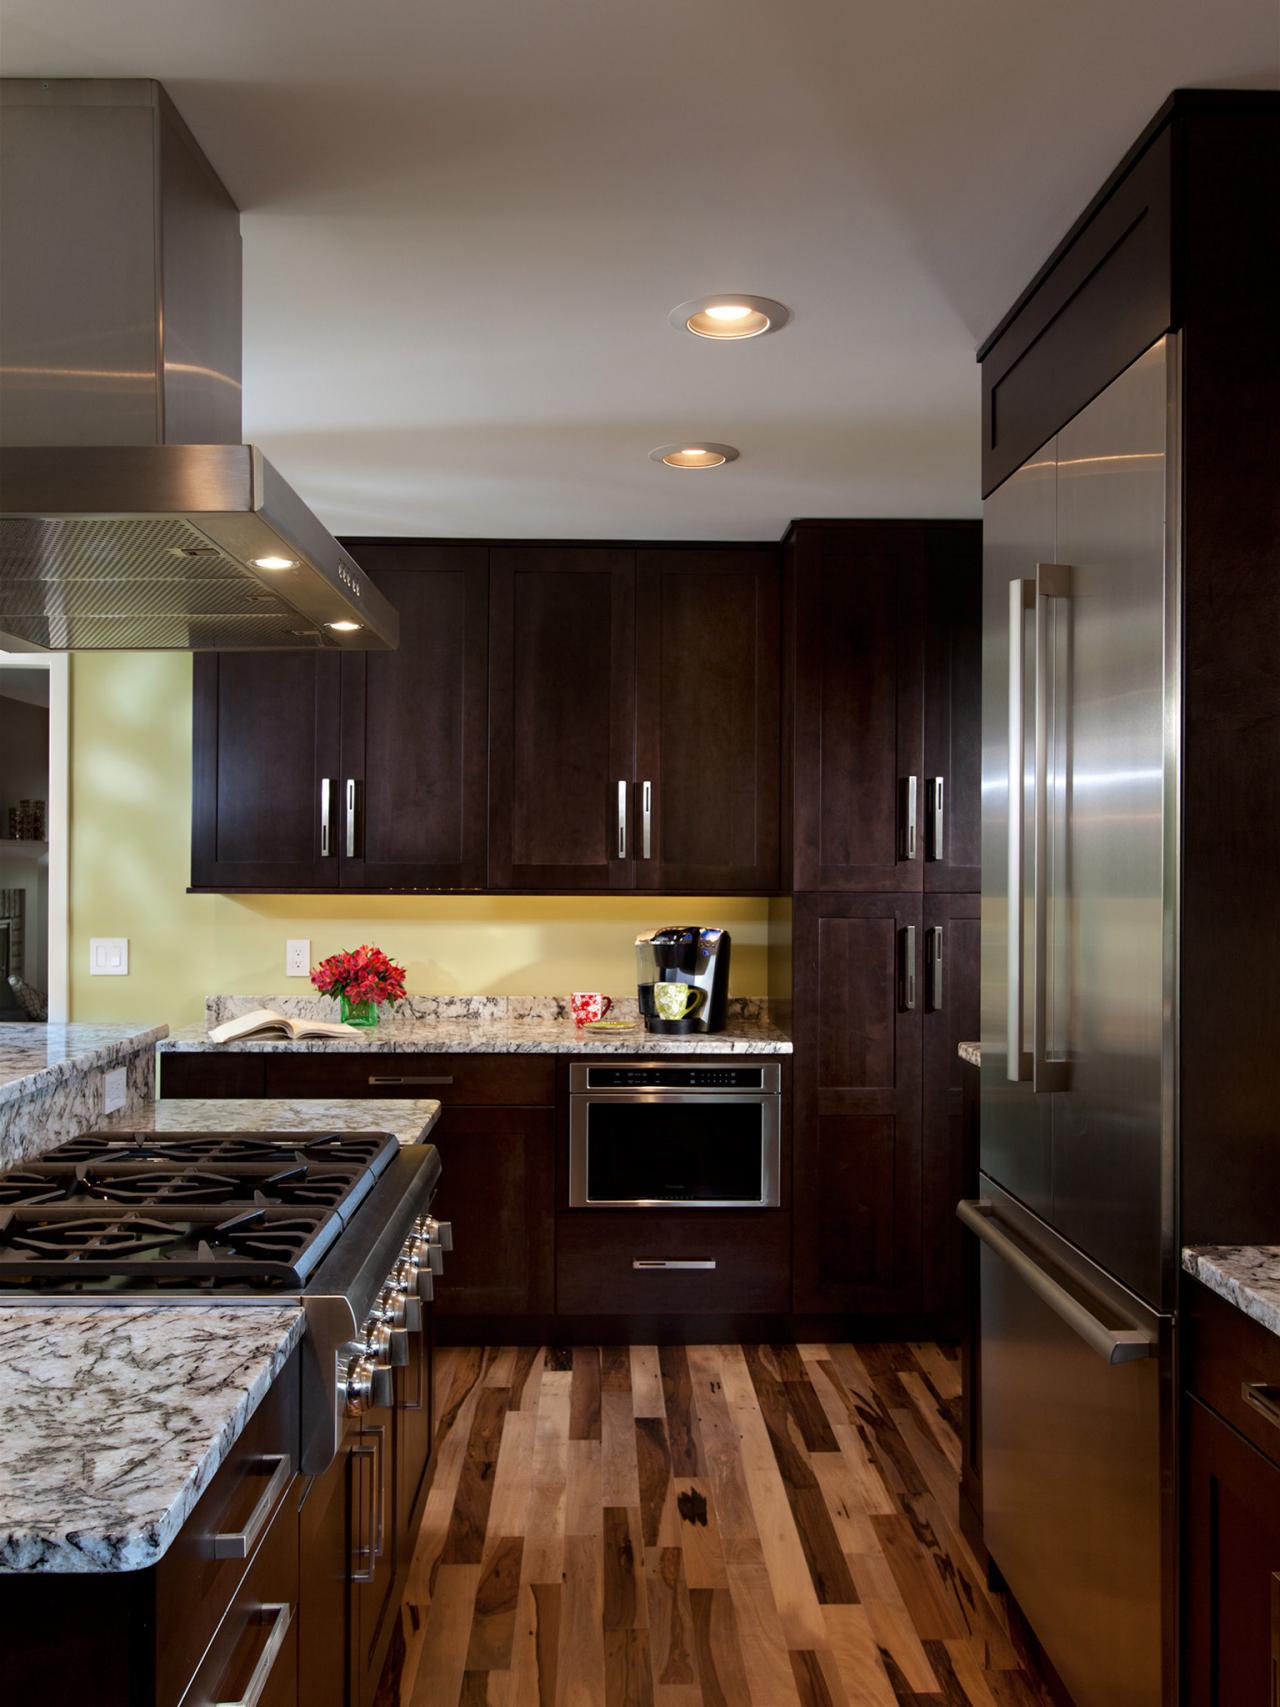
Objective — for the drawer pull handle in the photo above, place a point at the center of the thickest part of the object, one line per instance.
(239, 1543)
(1261, 1395)
(261, 1675)
(410, 1079)
(669, 1262)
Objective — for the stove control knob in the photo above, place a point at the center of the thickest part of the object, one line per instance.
(406, 1306)
(399, 1348)
(433, 1258)
(377, 1339)
(411, 1319)
(357, 1385)
(438, 1232)
(426, 1285)
(382, 1387)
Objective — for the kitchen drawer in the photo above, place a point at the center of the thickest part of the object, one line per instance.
(193, 1586)
(1224, 1352)
(227, 1074)
(254, 1654)
(596, 1255)
(515, 1079)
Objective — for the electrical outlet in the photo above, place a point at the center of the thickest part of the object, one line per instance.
(115, 1090)
(109, 956)
(297, 957)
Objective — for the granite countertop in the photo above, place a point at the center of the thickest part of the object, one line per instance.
(409, 1120)
(487, 1025)
(1247, 1276)
(970, 1052)
(41, 1057)
(114, 1420)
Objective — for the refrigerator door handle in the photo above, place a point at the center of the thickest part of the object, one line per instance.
(1113, 1345)
(1053, 581)
(1022, 598)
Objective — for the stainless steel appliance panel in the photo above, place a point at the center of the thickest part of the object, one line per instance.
(1018, 523)
(1105, 787)
(1073, 1492)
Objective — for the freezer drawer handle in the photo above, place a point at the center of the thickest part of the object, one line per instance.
(1022, 598)
(668, 1262)
(1115, 1345)
(1261, 1396)
(1053, 581)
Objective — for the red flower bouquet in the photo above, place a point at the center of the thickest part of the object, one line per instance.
(363, 979)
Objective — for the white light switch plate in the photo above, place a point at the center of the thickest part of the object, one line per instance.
(115, 1090)
(297, 957)
(109, 956)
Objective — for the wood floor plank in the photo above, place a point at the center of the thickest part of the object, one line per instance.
(653, 1468)
(620, 1477)
(536, 1647)
(933, 1611)
(646, 1382)
(628, 1676)
(445, 1638)
(625, 1601)
(670, 1619)
(464, 1544)
(935, 1417)
(494, 1621)
(584, 1506)
(857, 1656)
(526, 1375)
(718, 1649)
(615, 1369)
(811, 1684)
(558, 1359)
(580, 1678)
(682, 1426)
(513, 1475)
(764, 1646)
(584, 1407)
(720, 1446)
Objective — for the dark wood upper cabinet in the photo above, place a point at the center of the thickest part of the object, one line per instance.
(707, 743)
(858, 1005)
(265, 744)
(561, 718)
(415, 726)
(886, 705)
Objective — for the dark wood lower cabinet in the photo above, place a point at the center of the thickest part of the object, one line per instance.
(950, 1017)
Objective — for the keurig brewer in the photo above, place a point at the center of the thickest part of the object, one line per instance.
(682, 978)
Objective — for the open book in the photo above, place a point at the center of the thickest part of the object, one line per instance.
(265, 1022)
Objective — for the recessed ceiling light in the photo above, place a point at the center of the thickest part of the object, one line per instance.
(729, 316)
(343, 627)
(698, 454)
(274, 562)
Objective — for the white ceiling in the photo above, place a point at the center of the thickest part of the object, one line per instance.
(465, 223)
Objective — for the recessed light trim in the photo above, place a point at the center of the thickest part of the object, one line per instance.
(271, 562)
(694, 454)
(344, 627)
(730, 316)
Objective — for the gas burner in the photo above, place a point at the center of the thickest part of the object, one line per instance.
(253, 1235)
(99, 1237)
(153, 1185)
(25, 1186)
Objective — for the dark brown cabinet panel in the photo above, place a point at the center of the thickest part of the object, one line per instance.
(415, 727)
(707, 746)
(562, 718)
(1232, 1552)
(858, 713)
(498, 1190)
(950, 972)
(597, 1252)
(857, 1021)
(951, 787)
(265, 742)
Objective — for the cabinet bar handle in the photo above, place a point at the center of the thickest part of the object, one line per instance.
(410, 1078)
(351, 817)
(622, 820)
(1260, 1395)
(646, 819)
(933, 806)
(933, 960)
(364, 1548)
(281, 1618)
(669, 1262)
(239, 1543)
(908, 973)
(909, 817)
(326, 795)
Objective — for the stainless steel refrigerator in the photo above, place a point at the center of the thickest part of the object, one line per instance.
(1079, 988)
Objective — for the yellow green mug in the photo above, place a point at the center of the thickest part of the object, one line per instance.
(675, 1001)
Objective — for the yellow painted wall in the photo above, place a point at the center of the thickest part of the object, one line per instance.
(130, 864)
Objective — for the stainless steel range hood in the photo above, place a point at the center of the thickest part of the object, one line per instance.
(131, 516)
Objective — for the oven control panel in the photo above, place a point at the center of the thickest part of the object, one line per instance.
(645, 1077)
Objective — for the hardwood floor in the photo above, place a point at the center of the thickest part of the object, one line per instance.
(701, 1526)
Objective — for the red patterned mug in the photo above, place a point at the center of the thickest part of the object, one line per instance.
(588, 1006)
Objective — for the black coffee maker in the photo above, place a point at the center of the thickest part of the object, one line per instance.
(696, 956)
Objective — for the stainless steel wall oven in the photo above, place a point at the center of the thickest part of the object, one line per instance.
(652, 1134)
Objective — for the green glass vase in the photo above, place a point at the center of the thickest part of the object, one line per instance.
(358, 1013)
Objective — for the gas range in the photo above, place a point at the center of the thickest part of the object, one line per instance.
(337, 1222)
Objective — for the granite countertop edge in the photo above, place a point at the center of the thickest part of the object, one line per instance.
(491, 1037)
(1247, 1276)
(99, 1046)
(117, 1467)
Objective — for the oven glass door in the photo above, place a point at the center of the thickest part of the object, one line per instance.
(666, 1148)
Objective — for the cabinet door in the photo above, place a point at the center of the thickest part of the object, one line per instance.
(561, 718)
(414, 726)
(264, 747)
(325, 1551)
(375, 1577)
(951, 797)
(1232, 1549)
(858, 714)
(857, 1018)
(708, 741)
(949, 1016)
(498, 1190)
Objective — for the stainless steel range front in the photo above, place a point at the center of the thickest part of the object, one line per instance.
(338, 1223)
(650, 1134)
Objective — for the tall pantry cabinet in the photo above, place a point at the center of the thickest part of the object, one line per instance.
(881, 765)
